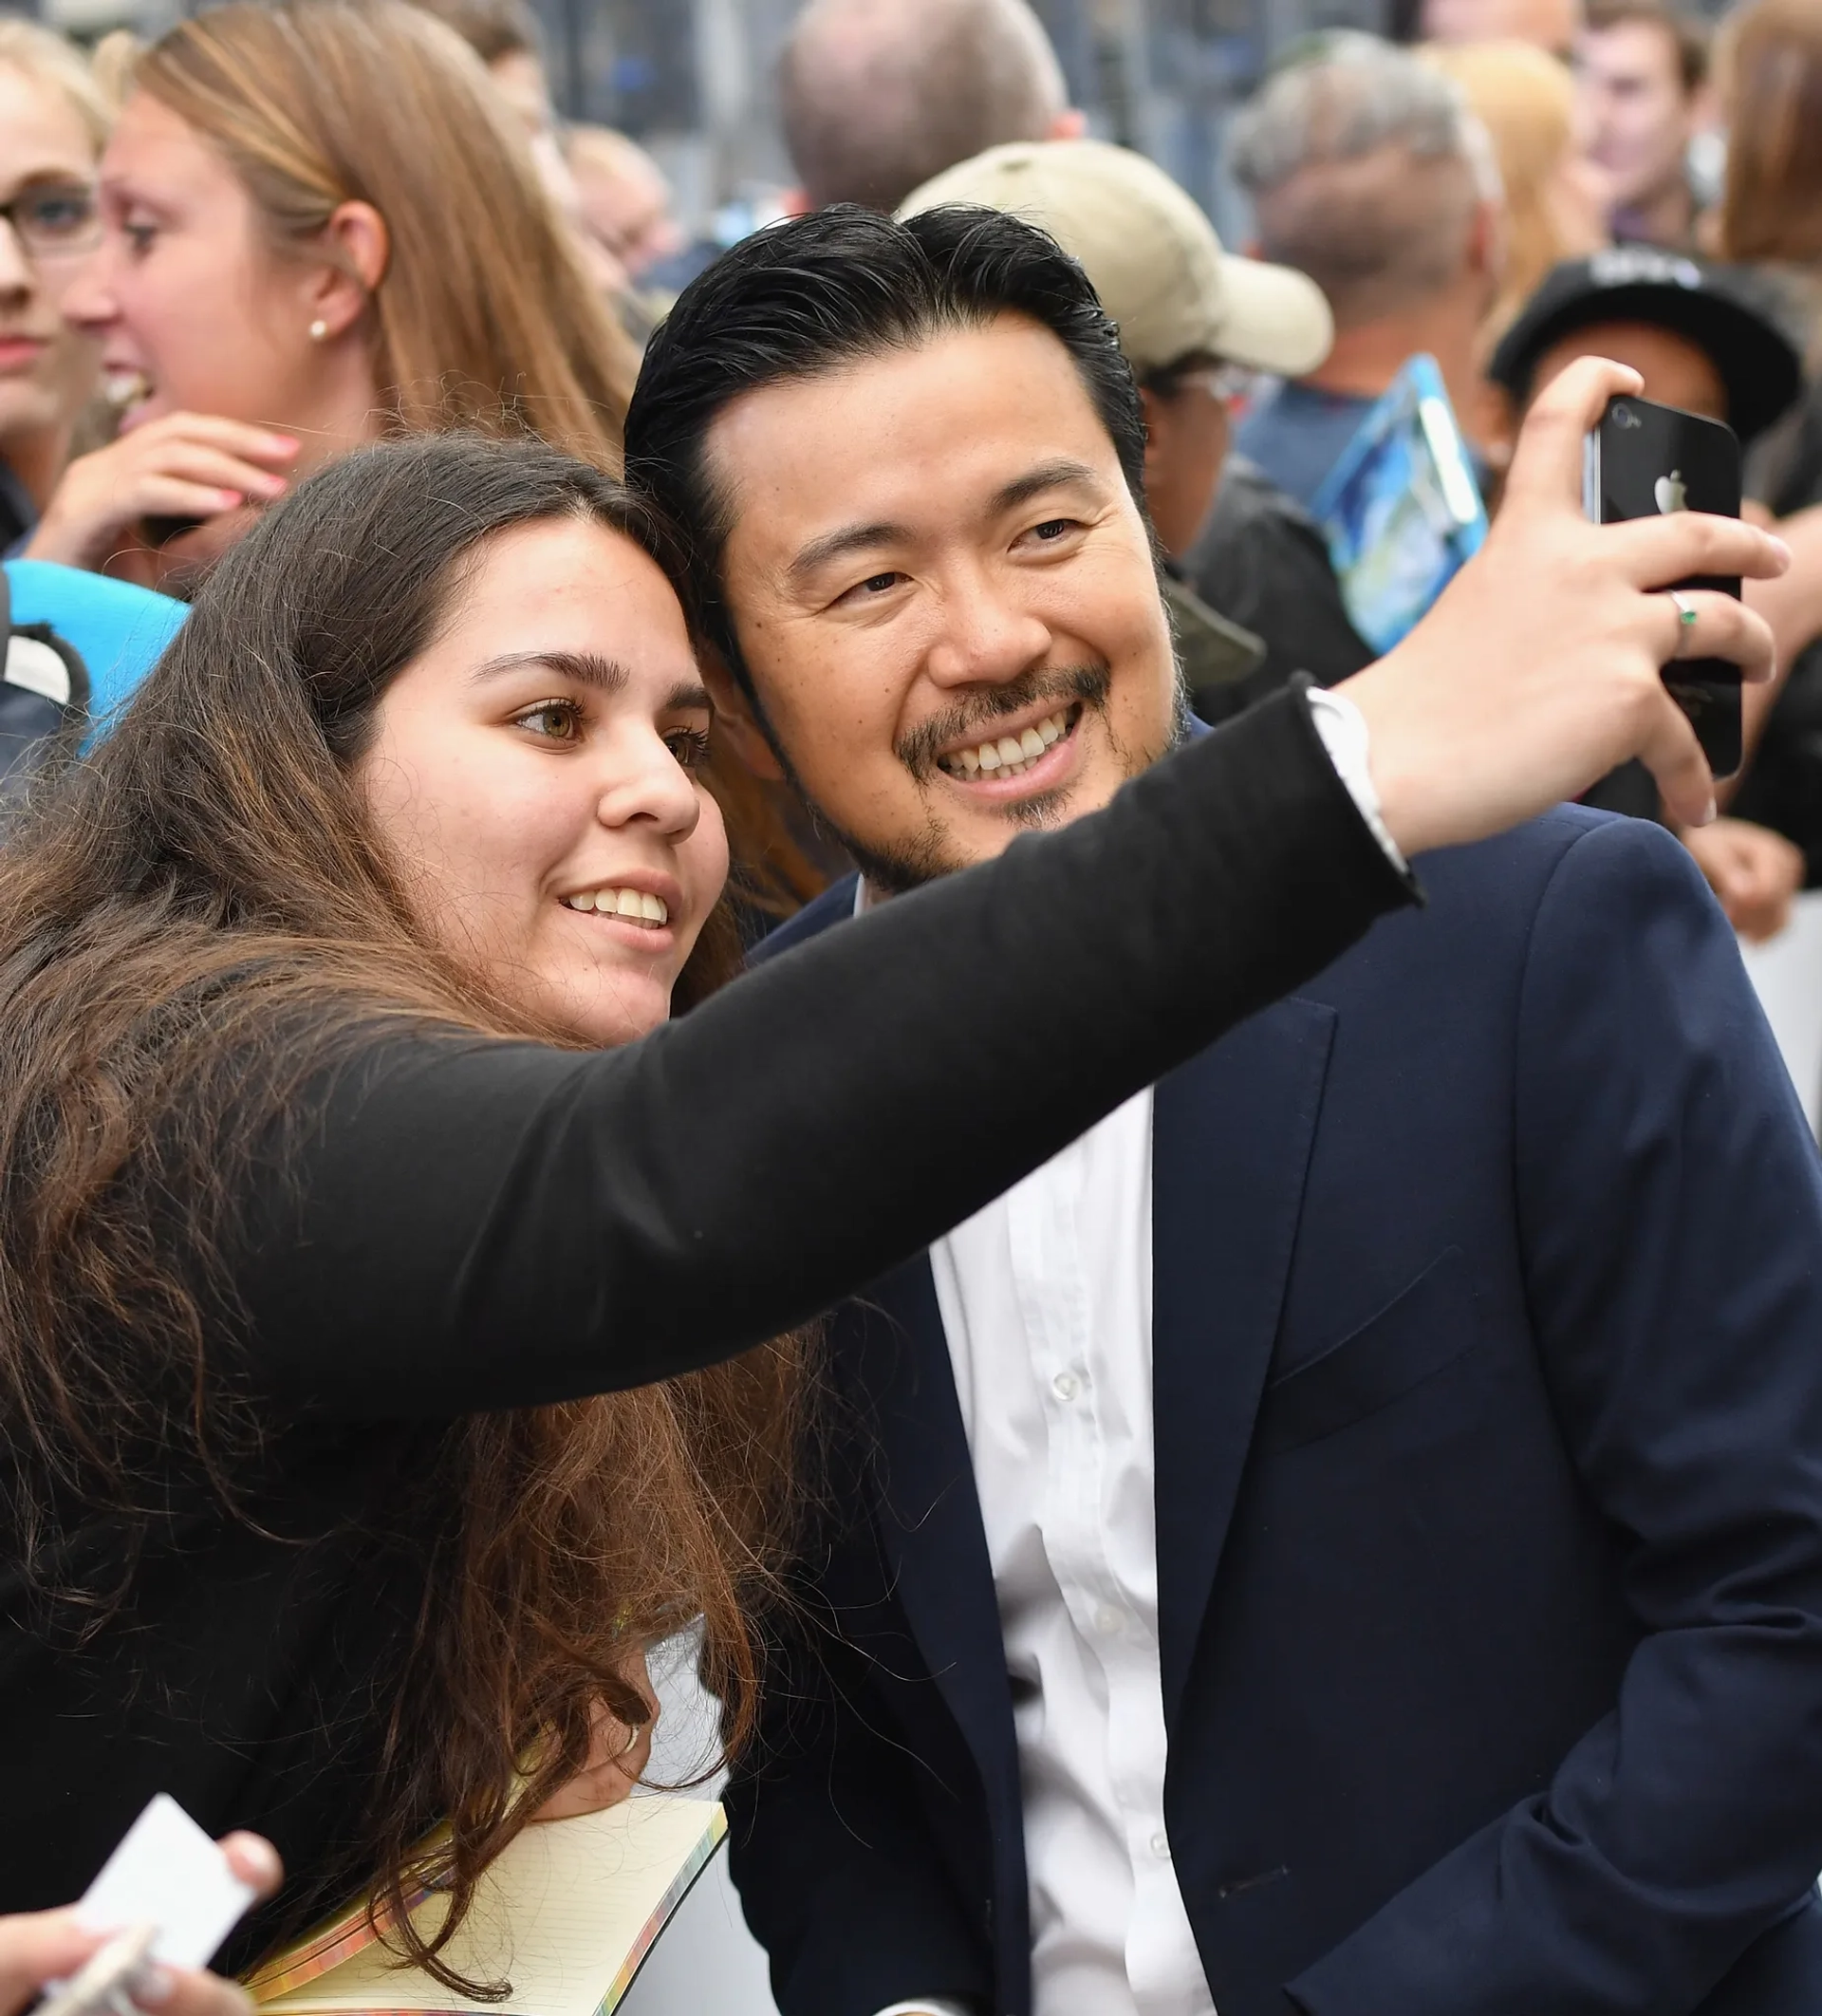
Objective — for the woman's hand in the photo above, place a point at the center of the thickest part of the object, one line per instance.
(41, 1947)
(187, 466)
(617, 1757)
(1754, 872)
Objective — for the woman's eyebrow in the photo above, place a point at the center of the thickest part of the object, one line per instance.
(588, 667)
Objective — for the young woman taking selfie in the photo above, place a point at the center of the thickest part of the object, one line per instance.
(356, 1185)
(321, 225)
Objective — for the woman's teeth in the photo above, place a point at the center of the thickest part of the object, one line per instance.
(122, 389)
(634, 905)
(1009, 755)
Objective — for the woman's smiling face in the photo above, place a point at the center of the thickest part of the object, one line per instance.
(537, 772)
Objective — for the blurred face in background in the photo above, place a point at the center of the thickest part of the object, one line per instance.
(944, 596)
(1637, 120)
(48, 175)
(1676, 372)
(194, 310)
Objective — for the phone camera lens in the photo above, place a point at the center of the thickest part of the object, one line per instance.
(1624, 417)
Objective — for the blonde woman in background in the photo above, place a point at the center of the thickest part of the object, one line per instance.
(1555, 206)
(53, 125)
(1525, 100)
(319, 225)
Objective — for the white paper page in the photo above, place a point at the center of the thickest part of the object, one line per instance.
(561, 1914)
(167, 1871)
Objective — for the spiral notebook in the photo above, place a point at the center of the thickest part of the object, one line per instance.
(566, 1914)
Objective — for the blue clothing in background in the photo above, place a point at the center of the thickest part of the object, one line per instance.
(1296, 434)
(121, 630)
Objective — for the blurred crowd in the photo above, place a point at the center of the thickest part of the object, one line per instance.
(1529, 182)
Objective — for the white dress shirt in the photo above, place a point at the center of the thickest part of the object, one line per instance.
(1046, 1303)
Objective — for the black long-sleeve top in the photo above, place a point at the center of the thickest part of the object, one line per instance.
(468, 1224)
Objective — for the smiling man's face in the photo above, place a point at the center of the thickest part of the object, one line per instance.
(944, 596)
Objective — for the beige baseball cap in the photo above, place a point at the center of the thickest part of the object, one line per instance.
(1151, 253)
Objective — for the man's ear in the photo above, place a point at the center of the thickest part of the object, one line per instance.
(734, 723)
(1150, 407)
(359, 249)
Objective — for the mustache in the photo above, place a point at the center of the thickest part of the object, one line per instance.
(916, 749)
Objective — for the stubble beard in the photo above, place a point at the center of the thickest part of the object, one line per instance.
(893, 867)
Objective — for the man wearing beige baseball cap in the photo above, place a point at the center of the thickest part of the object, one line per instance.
(1192, 318)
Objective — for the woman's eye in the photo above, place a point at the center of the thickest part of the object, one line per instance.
(690, 746)
(139, 236)
(54, 213)
(556, 720)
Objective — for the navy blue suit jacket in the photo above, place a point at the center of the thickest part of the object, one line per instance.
(1488, 1372)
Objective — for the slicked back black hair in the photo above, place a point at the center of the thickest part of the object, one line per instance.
(818, 292)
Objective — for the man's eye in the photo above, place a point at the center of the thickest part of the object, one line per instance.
(690, 746)
(1052, 529)
(875, 584)
(556, 720)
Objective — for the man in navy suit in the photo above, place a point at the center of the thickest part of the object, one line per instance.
(1346, 1535)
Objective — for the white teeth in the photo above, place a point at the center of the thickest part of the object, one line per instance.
(1005, 756)
(636, 905)
(125, 388)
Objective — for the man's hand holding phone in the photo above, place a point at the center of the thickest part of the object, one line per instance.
(1539, 668)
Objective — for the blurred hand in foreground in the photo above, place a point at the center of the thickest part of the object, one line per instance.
(1537, 670)
(37, 1948)
(1754, 872)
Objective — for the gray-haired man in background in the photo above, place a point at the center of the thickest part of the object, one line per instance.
(1368, 173)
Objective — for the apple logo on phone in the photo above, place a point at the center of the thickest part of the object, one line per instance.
(1670, 492)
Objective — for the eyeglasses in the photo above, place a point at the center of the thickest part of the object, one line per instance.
(55, 220)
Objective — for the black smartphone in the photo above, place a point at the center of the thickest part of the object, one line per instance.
(1645, 458)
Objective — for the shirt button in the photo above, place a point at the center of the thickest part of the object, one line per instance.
(1160, 1845)
(1108, 1621)
(1066, 1386)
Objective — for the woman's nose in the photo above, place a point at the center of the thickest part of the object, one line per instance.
(87, 297)
(647, 785)
(17, 275)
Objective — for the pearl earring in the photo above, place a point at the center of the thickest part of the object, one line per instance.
(319, 329)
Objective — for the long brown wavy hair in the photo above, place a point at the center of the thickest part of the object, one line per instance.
(195, 921)
(483, 314)
(1769, 61)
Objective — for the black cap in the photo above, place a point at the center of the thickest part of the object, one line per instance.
(1719, 311)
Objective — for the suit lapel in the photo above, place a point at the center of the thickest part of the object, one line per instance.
(1232, 1133)
(928, 1514)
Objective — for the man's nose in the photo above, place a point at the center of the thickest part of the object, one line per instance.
(987, 634)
